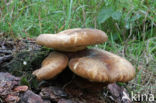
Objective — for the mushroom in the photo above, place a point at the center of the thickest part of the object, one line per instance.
(71, 49)
(51, 66)
(96, 65)
(101, 66)
(72, 40)
(92, 64)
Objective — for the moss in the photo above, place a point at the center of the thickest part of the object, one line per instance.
(26, 61)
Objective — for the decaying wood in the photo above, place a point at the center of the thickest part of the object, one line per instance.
(5, 58)
(7, 83)
(119, 94)
(5, 51)
(30, 97)
(11, 92)
(53, 93)
(15, 53)
(62, 89)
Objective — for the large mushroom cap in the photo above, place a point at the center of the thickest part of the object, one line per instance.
(76, 39)
(101, 66)
(51, 66)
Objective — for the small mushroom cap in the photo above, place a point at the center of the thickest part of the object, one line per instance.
(72, 38)
(101, 66)
(51, 66)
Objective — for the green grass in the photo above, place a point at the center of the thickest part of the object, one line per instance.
(27, 18)
(33, 17)
(132, 34)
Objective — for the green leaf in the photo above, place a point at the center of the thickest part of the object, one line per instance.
(104, 14)
(135, 17)
(116, 15)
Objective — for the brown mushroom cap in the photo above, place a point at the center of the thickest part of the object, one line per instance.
(101, 66)
(71, 49)
(72, 38)
(51, 66)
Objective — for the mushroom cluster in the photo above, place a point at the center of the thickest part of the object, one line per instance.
(70, 49)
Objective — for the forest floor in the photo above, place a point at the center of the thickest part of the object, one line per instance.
(20, 57)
